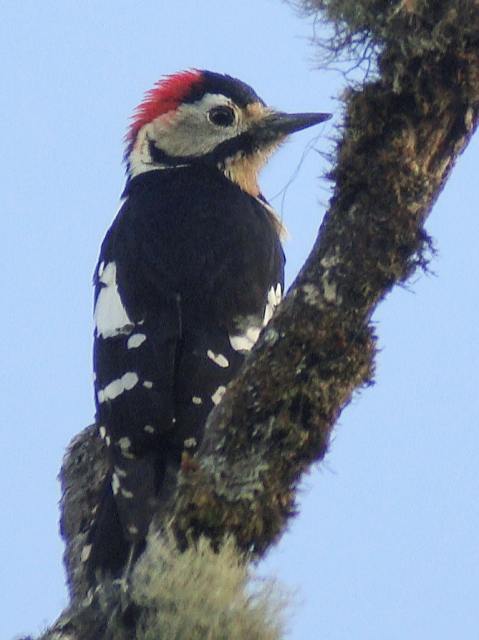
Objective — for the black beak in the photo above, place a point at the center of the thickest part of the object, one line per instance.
(276, 125)
(286, 123)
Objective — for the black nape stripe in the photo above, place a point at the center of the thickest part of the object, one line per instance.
(245, 143)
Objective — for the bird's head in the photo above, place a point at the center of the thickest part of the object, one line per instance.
(205, 117)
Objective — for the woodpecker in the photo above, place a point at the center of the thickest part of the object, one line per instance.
(189, 273)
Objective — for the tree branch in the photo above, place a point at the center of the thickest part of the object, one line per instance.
(401, 137)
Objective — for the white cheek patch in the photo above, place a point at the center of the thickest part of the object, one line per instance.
(183, 133)
(188, 132)
(111, 318)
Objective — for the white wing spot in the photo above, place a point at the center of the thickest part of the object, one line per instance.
(127, 494)
(279, 293)
(124, 443)
(111, 318)
(102, 432)
(190, 442)
(196, 400)
(115, 484)
(241, 342)
(129, 380)
(268, 314)
(274, 298)
(121, 473)
(148, 428)
(116, 387)
(218, 358)
(253, 334)
(85, 553)
(148, 384)
(218, 394)
(132, 529)
(135, 340)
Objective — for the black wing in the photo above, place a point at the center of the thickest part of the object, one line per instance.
(189, 272)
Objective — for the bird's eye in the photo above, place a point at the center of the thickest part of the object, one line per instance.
(221, 116)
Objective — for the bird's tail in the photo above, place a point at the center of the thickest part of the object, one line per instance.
(106, 550)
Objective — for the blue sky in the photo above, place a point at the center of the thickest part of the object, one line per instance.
(386, 544)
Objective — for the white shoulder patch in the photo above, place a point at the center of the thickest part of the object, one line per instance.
(111, 318)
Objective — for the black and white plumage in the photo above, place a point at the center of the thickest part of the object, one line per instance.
(189, 273)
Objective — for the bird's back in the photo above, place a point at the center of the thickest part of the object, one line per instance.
(192, 232)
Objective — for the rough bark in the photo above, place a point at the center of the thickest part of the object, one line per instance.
(401, 136)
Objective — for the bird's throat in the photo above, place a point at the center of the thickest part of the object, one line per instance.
(243, 171)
